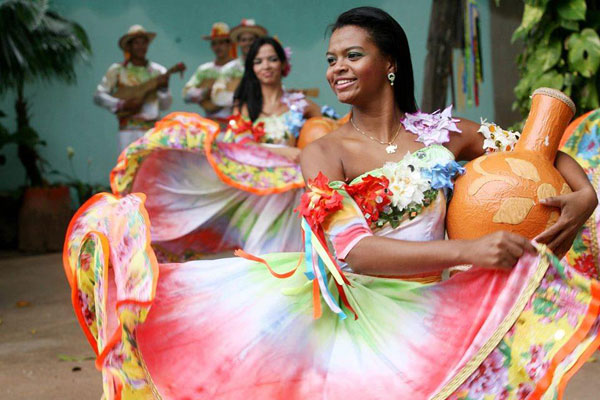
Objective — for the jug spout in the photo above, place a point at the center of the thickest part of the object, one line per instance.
(550, 113)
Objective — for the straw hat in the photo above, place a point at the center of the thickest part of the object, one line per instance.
(133, 32)
(220, 30)
(247, 26)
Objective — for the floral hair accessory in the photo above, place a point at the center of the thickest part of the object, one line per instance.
(496, 138)
(318, 202)
(288, 61)
(431, 128)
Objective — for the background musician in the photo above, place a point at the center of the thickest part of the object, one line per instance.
(136, 115)
(213, 84)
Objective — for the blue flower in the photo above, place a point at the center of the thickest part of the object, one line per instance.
(441, 176)
(294, 121)
(328, 111)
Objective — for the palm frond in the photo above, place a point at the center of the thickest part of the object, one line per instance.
(37, 43)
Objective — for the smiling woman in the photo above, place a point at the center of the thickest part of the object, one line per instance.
(363, 312)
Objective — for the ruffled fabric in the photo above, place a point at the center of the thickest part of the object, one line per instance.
(207, 189)
(278, 326)
(584, 147)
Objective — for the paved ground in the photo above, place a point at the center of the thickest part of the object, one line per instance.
(38, 329)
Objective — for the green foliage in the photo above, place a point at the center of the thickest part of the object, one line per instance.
(561, 50)
(35, 44)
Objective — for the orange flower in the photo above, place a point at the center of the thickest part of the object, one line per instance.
(319, 202)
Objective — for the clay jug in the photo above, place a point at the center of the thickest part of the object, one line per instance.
(501, 191)
(315, 128)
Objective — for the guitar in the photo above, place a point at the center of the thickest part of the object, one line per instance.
(144, 90)
(309, 92)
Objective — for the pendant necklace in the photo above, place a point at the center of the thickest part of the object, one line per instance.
(390, 146)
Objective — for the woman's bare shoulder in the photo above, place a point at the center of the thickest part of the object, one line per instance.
(324, 155)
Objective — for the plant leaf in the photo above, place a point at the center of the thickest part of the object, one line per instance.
(532, 14)
(573, 10)
(588, 96)
(584, 52)
(551, 79)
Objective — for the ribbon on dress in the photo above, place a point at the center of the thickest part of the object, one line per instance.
(319, 263)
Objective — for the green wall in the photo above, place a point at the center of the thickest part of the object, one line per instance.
(66, 116)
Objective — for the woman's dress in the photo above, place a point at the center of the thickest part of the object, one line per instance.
(584, 147)
(301, 325)
(209, 191)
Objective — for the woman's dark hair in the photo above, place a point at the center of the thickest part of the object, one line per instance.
(389, 37)
(249, 92)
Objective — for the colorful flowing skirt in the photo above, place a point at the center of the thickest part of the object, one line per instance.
(583, 145)
(210, 191)
(228, 329)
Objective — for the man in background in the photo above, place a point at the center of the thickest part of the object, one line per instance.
(135, 114)
(245, 34)
(213, 84)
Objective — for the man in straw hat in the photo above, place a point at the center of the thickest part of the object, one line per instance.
(136, 115)
(245, 34)
(213, 84)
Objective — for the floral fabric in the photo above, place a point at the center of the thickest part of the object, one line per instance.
(482, 334)
(584, 147)
(227, 328)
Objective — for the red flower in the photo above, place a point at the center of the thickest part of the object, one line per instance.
(586, 265)
(239, 125)
(318, 202)
(258, 131)
(371, 195)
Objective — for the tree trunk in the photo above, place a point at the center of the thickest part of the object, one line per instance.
(445, 24)
(27, 140)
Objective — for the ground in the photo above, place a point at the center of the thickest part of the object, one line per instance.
(44, 354)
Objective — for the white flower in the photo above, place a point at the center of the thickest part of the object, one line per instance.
(275, 129)
(407, 184)
(496, 138)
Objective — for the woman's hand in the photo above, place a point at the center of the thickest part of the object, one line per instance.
(498, 250)
(575, 209)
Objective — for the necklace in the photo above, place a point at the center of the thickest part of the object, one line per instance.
(390, 148)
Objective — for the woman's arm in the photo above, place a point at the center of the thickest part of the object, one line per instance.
(575, 208)
(384, 256)
(375, 255)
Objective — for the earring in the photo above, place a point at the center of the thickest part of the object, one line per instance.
(391, 77)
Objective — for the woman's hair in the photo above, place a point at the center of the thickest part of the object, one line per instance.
(249, 92)
(389, 37)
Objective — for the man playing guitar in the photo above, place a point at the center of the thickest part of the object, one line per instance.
(137, 89)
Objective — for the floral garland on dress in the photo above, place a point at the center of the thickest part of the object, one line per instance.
(403, 190)
(294, 118)
(431, 128)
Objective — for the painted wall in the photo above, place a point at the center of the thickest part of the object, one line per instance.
(66, 116)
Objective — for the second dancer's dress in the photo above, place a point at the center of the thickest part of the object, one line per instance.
(207, 189)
